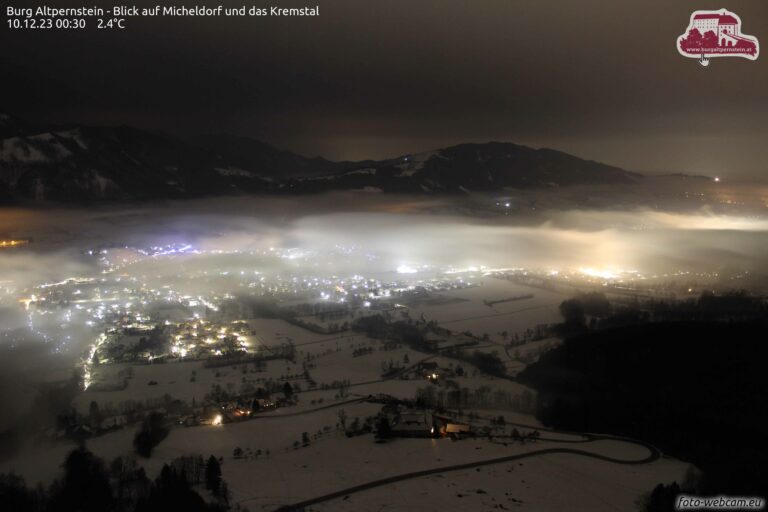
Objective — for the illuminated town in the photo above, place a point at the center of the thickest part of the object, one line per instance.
(383, 257)
(343, 346)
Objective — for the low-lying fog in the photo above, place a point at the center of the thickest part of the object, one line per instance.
(344, 233)
(388, 232)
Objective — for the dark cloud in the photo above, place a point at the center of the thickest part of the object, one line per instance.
(373, 79)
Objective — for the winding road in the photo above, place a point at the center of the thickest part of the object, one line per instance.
(653, 452)
(653, 455)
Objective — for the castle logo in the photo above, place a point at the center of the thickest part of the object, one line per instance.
(716, 34)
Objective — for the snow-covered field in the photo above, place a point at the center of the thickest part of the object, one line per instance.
(513, 316)
(332, 462)
(549, 483)
(275, 472)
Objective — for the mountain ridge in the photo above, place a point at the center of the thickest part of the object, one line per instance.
(78, 163)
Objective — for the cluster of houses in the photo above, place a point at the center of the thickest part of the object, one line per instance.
(236, 409)
(428, 424)
(432, 371)
(406, 421)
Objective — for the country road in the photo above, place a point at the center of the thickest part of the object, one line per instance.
(654, 454)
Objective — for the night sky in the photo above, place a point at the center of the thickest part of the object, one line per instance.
(373, 79)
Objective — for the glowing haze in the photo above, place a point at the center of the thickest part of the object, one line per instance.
(380, 235)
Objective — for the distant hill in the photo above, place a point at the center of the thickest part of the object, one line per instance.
(264, 159)
(81, 164)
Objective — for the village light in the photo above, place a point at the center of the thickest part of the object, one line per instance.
(217, 420)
